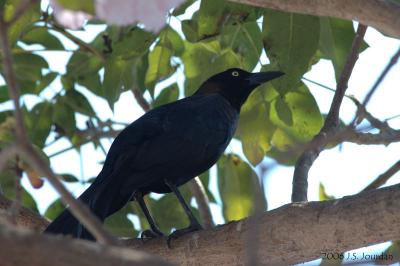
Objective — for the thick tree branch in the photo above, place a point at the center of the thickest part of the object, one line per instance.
(382, 15)
(307, 158)
(291, 234)
(24, 248)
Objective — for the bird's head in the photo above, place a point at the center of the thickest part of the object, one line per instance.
(236, 84)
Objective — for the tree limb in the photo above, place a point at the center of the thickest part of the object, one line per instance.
(307, 158)
(25, 248)
(293, 233)
(25, 217)
(382, 15)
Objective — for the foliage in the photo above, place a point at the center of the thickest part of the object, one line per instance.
(276, 118)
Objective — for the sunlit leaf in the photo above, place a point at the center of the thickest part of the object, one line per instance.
(159, 66)
(336, 40)
(54, 209)
(167, 95)
(322, 193)
(237, 184)
(290, 41)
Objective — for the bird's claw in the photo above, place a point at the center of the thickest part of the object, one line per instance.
(150, 234)
(180, 232)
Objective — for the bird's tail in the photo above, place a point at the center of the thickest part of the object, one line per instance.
(102, 200)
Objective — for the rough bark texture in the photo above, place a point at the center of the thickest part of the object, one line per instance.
(382, 15)
(293, 233)
(26, 218)
(25, 248)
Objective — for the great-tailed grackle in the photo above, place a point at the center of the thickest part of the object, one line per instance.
(165, 148)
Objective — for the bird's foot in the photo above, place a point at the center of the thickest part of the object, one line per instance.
(150, 234)
(180, 232)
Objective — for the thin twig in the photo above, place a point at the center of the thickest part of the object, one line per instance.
(16, 204)
(82, 45)
(26, 150)
(141, 100)
(331, 125)
(391, 63)
(199, 193)
(383, 178)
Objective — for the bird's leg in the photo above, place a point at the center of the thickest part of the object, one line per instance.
(194, 224)
(155, 231)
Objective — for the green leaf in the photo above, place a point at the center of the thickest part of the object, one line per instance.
(44, 37)
(82, 64)
(64, 117)
(190, 30)
(38, 122)
(182, 8)
(255, 129)
(306, 117)
(209, 20)
(120, 225)
(113, 83)
(69, 178)
(167, 95)
(168, 213)
(159, 67)
(45, 81)
(55, 209)
(135, 42)
(92, 83)
(336, 39)
(78, 5)
(245, 40)
(290, 41)
(204, 60)
(4, 93)
(7, 183)
(78, 102)
(322, 193)
(172, 40)
(31, 15)
(28, 68)
(237, 185)
(283, 111)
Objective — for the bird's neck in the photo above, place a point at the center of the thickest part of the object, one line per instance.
(209, 88)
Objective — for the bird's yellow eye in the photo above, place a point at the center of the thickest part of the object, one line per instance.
(235, 73)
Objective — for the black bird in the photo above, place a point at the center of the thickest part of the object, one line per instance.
(165, 148)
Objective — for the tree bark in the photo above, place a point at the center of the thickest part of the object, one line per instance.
(25, 248)
(293, 233)
(382, 15)
(25, 218)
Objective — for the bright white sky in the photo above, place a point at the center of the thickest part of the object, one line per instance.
(343, 171)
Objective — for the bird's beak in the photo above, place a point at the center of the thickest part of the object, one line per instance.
(259, 78)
